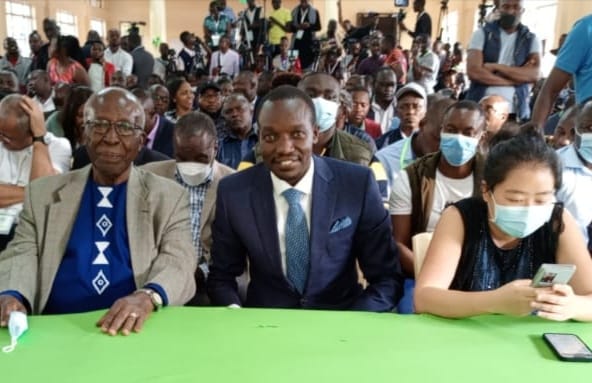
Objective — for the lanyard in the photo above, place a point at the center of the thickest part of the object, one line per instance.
(251, 15)
(402, 162)
(334, 67)
(303, 15)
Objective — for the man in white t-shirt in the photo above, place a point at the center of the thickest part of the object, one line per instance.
(424, 63)
(27, 152)
(426, 187)
(504, 59)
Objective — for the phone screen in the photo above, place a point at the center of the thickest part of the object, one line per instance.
(569, 346)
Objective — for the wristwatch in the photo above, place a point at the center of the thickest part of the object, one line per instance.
(155, 297)
(44, 139)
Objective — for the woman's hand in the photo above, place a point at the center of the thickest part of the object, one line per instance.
(558, 303)
(515, 298)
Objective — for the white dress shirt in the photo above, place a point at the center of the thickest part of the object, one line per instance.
(122, 60)
(229, 62)
(384, 116)
(281, 205)
(15, 165)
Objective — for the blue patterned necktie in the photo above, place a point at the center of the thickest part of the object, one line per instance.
(297, 241)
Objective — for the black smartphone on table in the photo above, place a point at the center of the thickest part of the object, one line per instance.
(568, 347)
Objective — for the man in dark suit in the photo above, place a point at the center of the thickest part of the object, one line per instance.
(264, 216)
(143, 61)
(158, 129)
(423, 24)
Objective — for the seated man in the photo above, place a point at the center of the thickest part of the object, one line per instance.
(8, 83)
(106, 236)
(427, 186)
(27, 152)
(158, 130)
(565, 131)
(39, 87)
(301, 222)
(358, 116)
(410, 108)
(401, 154)
(497, 110)
(576, 186)
(240, 137)
(196, 169)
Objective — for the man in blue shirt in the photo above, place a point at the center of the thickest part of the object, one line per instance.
(107, 236)
(574, 59)
(577, 171)
(238, 138)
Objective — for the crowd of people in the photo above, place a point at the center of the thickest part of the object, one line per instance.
(262, 166)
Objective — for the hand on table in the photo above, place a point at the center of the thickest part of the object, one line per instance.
(559, 303)
(127, 314)
(8, 304)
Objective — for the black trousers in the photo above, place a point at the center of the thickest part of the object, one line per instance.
(5, 238)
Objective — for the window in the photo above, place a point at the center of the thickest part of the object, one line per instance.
(20, 22)
(96, 3)
(99, 26)
(67, 23)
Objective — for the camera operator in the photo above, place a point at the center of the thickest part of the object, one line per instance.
(354, 55)
(423, 25)
(191, 57)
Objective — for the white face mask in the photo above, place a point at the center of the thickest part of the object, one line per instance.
(17, 325)
(194, 173)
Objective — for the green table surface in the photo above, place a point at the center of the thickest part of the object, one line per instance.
(254, 345)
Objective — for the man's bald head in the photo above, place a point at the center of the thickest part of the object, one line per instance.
(496, 110)
(119, 103)
(10, 108)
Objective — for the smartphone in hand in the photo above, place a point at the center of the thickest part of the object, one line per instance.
(550, 274)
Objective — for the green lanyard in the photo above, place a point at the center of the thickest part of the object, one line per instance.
(402, 163)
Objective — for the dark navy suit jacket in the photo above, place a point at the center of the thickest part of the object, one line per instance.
(348, 223)
(163, 142)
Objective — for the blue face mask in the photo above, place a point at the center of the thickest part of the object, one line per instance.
(583, 144)
(521, 221)
(458, 149)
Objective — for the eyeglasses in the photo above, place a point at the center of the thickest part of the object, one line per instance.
(122, 128)
(160, 98)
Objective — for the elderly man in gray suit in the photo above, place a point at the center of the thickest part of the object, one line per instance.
(196, 169)
(105, 236)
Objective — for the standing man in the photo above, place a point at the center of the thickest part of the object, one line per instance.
(35, 44)
(279, 25)
(504, 58)
(423, 25)
(122, 60)
(424, 63)
(108, 236)
(52, 32)
(225, 61)
(143, 61)
(253, 18)
(573, 60)
(305, 22)
(300, 233)
(15, 62)
(195, 168)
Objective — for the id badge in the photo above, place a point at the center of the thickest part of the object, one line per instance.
(6, 222)
(215, 39)
(299, 34)
(250, 35)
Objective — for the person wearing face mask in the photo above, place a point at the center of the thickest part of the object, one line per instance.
(577, 171)
(486, 250)
(504, 58)
(424, 188)
(196, 169)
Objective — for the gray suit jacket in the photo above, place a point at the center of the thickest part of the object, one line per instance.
(168, 168)
(158, 226)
